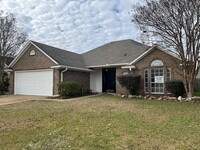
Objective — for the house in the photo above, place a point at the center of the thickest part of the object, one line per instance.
(38, 68)
(8, 60)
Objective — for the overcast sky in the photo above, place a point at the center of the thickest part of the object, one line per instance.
(74, 25)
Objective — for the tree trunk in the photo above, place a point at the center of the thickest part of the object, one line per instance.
(189, 90)
(1, 78)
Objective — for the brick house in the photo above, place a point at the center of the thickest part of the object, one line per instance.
(38, 68)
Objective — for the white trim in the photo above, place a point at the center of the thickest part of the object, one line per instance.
(142, 55)
(59, 66)
(19, 54)
(148, 51)
(34, 70)
(147, 81)
(72, 68)
(45, 53)
(128, 67)
(8, 70)
(157, 93)
(108, 65)
(24, 49)
(154, 82)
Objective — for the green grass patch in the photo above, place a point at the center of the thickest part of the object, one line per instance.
(197, 93)
(101, 122)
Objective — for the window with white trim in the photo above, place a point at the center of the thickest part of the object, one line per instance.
(157, 63)
(146, 81)
(32, 53)
(168, 74)
(157, 80)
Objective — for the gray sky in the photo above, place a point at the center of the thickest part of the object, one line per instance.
(74, 25)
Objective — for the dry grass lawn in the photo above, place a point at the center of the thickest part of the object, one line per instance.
(103, 122)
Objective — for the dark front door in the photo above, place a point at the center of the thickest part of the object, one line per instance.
(109, 79)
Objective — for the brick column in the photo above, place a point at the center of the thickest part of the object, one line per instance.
(56, 78)
(11, 82)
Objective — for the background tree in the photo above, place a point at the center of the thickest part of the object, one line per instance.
(11, 38)
(177, 24)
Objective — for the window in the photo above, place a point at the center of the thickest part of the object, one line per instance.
(157, 80)
(168, 74)
(32, 52)
(156, 63)
(154, 78)
(146, 81)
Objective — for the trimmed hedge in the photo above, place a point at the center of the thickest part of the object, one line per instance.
(175, 87)
(69, 89)
(130, 82)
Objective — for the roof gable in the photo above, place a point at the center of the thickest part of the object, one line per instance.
(149, 51)
(25, 48)
(62, 57)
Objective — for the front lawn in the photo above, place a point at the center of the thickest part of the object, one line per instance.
(102, 122)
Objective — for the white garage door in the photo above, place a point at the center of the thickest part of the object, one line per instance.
(38, 82)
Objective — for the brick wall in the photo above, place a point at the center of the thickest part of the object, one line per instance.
(56, 80)
(38, 61)
(81, 77)
(145, 63)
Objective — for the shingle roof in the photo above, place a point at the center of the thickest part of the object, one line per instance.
(61, 56)
(117, 52)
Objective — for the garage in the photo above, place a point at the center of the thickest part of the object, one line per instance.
(37, 82)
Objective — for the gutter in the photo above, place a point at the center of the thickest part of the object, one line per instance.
(72, 68)
(61, 79)
(129, 67)
(8, 70)
(107, 65)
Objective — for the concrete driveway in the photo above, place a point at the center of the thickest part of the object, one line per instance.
(11, 99)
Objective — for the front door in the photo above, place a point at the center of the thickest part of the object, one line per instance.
(109, 80)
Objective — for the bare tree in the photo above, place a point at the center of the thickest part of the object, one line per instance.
(177, 23)
(11, 38)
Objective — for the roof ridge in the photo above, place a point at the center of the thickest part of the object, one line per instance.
(124, 40)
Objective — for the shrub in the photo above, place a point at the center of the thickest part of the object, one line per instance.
(69, 89)
(5, 84)
(130, 82)
(175, 87)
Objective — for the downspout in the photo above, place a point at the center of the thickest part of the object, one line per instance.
(61, 79)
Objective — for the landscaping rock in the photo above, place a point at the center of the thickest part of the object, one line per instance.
(180, 98)
(130, 96)
(188, 99)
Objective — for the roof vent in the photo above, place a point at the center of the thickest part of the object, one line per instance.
(32, 52)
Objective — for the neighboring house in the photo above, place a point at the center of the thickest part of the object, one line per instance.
(198, 75)
(8, 60)
(38, 68)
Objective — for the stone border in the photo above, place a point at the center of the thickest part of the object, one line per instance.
(169, 98)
